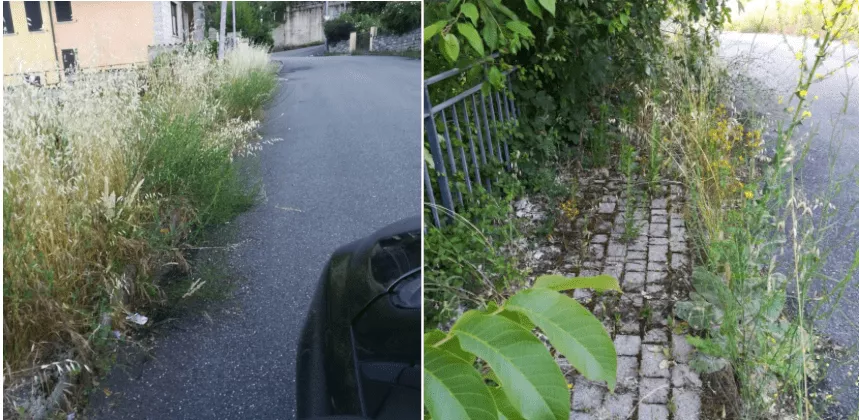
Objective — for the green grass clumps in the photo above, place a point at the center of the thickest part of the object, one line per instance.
(105, 179)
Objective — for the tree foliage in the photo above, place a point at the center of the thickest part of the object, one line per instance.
(491, 365)
(573, 56)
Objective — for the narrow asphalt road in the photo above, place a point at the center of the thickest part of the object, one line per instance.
(349, 164)
(831, 132)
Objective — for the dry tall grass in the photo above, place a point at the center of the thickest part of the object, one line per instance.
(89, 191)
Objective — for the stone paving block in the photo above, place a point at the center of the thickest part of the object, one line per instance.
(589, 273)
(627, 345)
(658, 219)
(655, 336)
(652, 412)
(635, 266)
(583, 296)
(658, 253)
(656, 277)
(678, 232)
(616, 249)
(593, 266)
(617, 407)
(659, 203)
(654, 390)
(654, 289)
(654, 364)
(639, 244)
(676, 220)
(578, 415)
(658, 212)
(678, 246)
(614, 268)
(681, 350)
(587, 395)
(636, 255)
(606, 208)
(687, 404)
(599, 239)
(633, 281)
(679, 261)
(627, 373)
(658, 230)
(683, 376)
(603, 227)
(630, 327)
(656, 266)
(596, 251)
(658, 241)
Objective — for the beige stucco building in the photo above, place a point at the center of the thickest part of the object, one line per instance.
(45, 41)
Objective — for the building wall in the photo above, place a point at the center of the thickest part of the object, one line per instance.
(107, 34)
(163, 23)
(26, 52)
(303, 23)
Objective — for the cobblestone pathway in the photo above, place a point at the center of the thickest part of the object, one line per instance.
(654, 380)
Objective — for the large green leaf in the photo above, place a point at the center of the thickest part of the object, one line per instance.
(558, 282)
(470, 11)
(528, 374)
(450, 47)
(571, 329)
(534, 8)
(453, 389)
(549, 5)
(520, 28)
(433, 29)
(451, 345)
(470, 34)
(505, 409)
(490, 34)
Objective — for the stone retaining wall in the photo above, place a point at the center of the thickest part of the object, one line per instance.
(409, 41)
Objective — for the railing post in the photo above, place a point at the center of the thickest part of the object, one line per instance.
(435, 150)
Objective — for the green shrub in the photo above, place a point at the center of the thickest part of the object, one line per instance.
(244, 97)
(338, 29)
(401, 17)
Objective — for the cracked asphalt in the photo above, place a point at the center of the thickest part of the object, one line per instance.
(832, 131)
(349, 164)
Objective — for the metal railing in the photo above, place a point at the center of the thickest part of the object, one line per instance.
(484, 140)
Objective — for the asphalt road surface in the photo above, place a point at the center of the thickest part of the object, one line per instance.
(349, 164)
(833, 133)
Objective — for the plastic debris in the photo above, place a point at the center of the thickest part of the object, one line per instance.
(137, 319)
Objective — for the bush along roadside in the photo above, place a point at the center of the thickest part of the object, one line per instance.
(106, 180)
(757, 235)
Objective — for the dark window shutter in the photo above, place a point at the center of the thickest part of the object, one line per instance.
(64, 11)
(33, 10)
(8, 26)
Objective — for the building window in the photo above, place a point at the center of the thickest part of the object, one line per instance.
(175, 19)
(8, 27)
(33, 10)
(64, 11)
(70, 63)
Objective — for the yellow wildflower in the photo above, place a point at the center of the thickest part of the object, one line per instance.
(790, 109)
(749, 194)
(806, 114)
(816, 97)
(815, 36)
(802, 93)
(780, 100)
(799, 55)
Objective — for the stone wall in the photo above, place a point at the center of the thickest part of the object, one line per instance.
(341, 47)
(409, 41)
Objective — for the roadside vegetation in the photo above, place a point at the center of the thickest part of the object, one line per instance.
(106, 181)
(636, 86)
(793, 17)
(389, 16)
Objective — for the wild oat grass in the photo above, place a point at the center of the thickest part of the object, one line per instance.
(98, 177)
